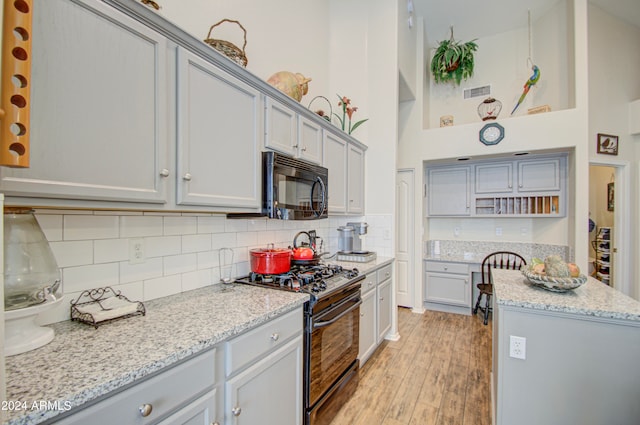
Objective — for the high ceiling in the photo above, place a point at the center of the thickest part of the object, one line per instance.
(474, 19)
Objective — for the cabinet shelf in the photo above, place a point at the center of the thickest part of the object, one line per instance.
(518, 205)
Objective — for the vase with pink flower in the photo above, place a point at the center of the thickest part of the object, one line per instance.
(347, 115)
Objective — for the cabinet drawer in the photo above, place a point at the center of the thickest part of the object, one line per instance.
(252, 345)
(164, 393)
(437, 266)
(369, 283)
(384, 273)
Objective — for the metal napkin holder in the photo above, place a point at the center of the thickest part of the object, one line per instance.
(103, 305)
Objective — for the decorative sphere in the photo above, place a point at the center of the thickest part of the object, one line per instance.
(293, 85)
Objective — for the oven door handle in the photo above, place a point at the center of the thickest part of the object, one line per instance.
(318, 325)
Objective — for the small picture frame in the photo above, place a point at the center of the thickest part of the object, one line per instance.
(607, 144)
(610, 196)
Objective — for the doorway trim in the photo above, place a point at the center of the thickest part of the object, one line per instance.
(621, 219)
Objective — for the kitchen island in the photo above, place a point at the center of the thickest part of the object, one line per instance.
(580, 354)
(83, 365)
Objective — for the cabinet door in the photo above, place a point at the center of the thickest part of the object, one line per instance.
(99, 107)
(368, 322)
(355, 180)
(219, 137)
(335, 160)
(201, 411)
(280, 128)
(540, 175)
(448, 288)
(448, 192)
(309, 140)
(384, 308)
(270, 391)
(494, 178)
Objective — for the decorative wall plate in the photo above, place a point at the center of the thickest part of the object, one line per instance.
(491, 134)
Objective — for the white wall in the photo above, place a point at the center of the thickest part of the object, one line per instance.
(282, 35)
(501, 61)
(614, 59)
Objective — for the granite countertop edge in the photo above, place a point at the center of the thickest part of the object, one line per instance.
(593, 299)
(90, 390)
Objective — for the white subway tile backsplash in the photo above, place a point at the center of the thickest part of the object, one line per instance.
(151, 268)
(77, 279)
(211, 224)
(141, 226)
(235, 226)
(180, 225)
(85, 227)
(246, 239)
(197, 279)
(223, 240)
(196, 243)
(181, 249)
(257, 225)
(183, 263)
(162, 287)
(72, 253)
(51, 225)
(110, 250)
(160, 246)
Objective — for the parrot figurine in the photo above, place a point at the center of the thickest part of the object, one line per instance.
(527, 86)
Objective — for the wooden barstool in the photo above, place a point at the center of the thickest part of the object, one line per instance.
(495, 260)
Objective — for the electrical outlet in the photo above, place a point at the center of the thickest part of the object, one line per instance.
(517, 347)
(136, 251)
(456, 231)
(498, 231)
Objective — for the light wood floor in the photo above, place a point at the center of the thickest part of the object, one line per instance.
(438, 373)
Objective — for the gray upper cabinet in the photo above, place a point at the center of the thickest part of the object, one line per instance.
(99, 107)
(335, 159)
(281, 127)
(542, 175)
(309, 140)
(219, 137)
(291, 133)
(355, 181)
(448, 191)
(494, 178)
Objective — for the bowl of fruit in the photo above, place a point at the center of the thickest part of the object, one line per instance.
(554, 274)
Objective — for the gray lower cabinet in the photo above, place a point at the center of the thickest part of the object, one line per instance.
(448, 286)
(375, 310)
(184, 394)
(99, 107)
(264, 374)
(368, 336)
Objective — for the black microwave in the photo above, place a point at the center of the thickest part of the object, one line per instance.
(293, 189)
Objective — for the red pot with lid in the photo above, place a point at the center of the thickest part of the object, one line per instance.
(270, 260)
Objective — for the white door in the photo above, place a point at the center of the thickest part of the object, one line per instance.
(405, 210)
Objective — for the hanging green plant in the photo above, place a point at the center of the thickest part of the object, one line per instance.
(453, 61)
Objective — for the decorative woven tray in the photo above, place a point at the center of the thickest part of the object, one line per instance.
(554, 284)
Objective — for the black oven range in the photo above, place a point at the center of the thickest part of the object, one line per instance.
(331, 333)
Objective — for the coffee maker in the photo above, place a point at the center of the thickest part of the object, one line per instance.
(350, 243)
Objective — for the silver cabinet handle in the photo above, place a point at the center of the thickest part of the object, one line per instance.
(215, 423)
(304, 148)
(236, 411)
(361, 314)
(446, 268)
(145, 410)
(275, 336)
(388, 274)
(187, 177)
(164, 172)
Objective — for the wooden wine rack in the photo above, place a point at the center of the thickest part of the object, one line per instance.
(14, 84)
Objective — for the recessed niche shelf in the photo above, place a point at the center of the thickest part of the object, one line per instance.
(518, 205)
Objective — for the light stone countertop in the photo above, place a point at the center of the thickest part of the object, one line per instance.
(83, 363)
(594, 298)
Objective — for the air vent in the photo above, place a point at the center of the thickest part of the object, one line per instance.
(477, 92)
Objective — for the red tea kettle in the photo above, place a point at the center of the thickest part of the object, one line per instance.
(305, 253)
